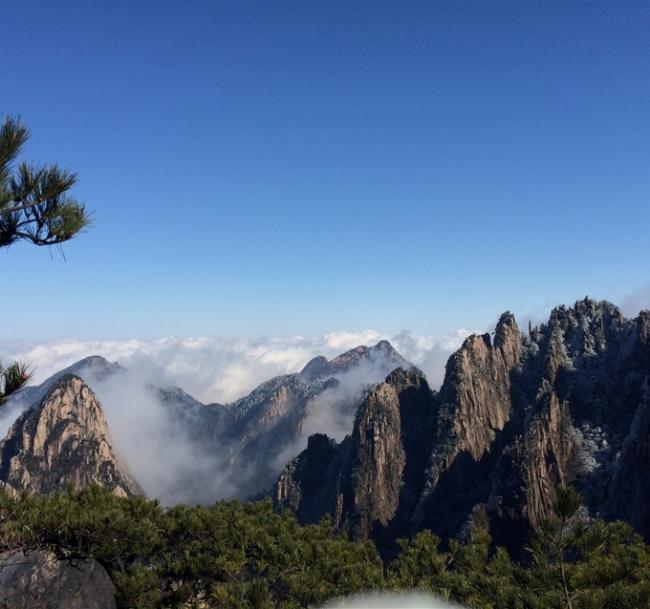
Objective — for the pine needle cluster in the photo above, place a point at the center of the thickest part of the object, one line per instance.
(35, 201)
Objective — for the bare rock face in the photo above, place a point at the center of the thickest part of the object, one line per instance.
(476, 394)
(378, 461)
(475, 404)
(310, 485)
(366, 482)
(38, 580)
(63, 441)
(529, 471)
(628, 495)
(517, 416)
(391, 433)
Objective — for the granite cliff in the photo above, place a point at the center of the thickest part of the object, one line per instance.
(62, 441)
(517, 415)
(236, 449)
(253, 437)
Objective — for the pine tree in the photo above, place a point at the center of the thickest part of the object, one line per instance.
(35, 204)
(12, 379)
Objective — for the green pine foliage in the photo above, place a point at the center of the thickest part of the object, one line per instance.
(246, 556)
(35, 206)
(583, 564)
(35, 201)
(228, 554)
(12, 379)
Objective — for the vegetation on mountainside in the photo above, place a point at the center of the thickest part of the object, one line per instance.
(246, 556)
(228, 554)
(575, 563)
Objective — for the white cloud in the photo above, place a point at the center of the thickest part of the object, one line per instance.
(429, 353)
(222, 369)
(161, 456)
(404, 600)
(158, 452)
(344, 341)
(638, 301)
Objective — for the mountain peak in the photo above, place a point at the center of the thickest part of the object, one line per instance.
(315, 368)
(62, 441)
(96, 366)
(382, 353)
(92, 369)
(585, 309)
(384, 346)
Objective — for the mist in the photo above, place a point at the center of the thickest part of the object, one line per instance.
(156, 448)
(333, 411)
(637, 301)
(9, 413)
(390, 601)
(158, 452)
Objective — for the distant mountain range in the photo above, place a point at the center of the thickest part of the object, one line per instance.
(246, 443)
(363, 438)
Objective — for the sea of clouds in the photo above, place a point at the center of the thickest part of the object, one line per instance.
(165, 460)
(222, 369)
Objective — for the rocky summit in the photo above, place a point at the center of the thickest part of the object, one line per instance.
(518, 415)
(253, 437)
(63, 441)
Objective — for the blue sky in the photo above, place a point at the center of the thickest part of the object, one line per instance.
(298, 168)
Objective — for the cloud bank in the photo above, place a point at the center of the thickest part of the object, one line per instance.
(160, 454)
(172, 466)
(222, 369)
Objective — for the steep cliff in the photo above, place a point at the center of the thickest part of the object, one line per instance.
(63, 441)
(310, 485)
(528, 472)
(475, 405)
(367, 482)
(263, 430)
(628, 495)
(516, 416)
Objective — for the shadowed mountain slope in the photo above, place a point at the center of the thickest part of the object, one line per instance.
(517, 415)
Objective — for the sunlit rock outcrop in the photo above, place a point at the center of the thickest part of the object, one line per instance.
(62, 442)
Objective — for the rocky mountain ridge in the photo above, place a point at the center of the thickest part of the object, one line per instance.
(243, 444)
(258, 433)
(517, 415)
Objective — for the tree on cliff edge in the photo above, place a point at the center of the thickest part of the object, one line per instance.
(35, 206)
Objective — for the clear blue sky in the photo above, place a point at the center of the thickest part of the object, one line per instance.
(280, 168)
